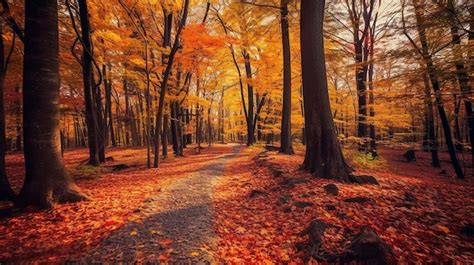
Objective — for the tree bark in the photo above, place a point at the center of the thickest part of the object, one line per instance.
(46, 180)
(323, 156)
(91, 112)
(428, 60)
(250, 126)
(462, 73)
(286, 146)
(164, 83)
(6, 192)
(165, 136)
(432, 141)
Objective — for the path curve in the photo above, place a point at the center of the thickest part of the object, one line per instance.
(177, 223)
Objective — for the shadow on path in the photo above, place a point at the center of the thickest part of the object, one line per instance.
(177, 223)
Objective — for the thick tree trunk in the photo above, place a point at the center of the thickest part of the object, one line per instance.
(436, 88)
(6, 192)
(286, 146)
(46, 180)
(324, 156)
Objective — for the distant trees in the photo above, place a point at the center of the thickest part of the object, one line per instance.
(431, 71)
(46, 180)
(323, 156)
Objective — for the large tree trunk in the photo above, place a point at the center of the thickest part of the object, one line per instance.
(91, 113)
(428, 60)
(6, 192)
(323, 157)
(46, 180)
(286, 146)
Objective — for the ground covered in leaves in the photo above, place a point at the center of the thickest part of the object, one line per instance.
(125, 196)
(240, 205)
(266, 202)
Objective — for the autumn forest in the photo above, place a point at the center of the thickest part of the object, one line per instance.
(236, 131)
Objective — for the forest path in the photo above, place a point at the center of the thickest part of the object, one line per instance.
(176, 224)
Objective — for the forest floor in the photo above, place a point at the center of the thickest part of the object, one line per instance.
(239, 205)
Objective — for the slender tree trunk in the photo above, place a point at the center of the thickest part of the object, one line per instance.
(165, 136)
(46, 180)
(457, 126)
(285, 136)
(250, 114)
(323, 157)
(101, 125)
(462, 73)
(430, 127)
(436, 88)
(164, 83)
(91, 113)
(373, 143)
(209, 127)
(174, 127)
(179, 125)
(19, 129)
(6, 192)
(108, 100)
(128, 119)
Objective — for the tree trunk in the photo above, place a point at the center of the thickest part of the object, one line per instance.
(128, 119)
(6, 192)
(174, 126)
(436, 88)
(248, 71)
(165, 136)
(46, 180)
(432, 143)
(286, 146)
(101, 125)
(91, 113)
(323, 156)
(462, 73)
(370, 76)
(209, 127)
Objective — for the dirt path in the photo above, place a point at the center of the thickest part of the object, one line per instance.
(174, 225)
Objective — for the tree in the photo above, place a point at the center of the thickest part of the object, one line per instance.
(286, 141)
(323, 156)
(46, 180)
(90, 96)
(433, 77)
(6, 192)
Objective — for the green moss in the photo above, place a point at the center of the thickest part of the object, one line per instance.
(366, 161)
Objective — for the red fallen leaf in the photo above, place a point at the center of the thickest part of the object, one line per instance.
(111, 223)
(165, 241)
